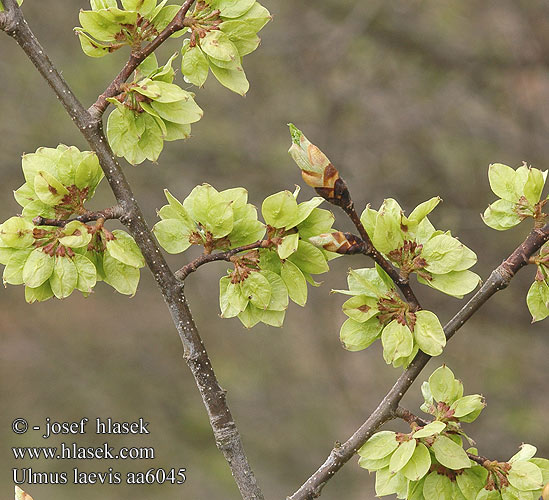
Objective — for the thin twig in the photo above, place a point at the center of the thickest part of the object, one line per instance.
(97, 109)
(371, 251)
(115, 212)
(192, 266)
(498, 280)
(226, 434)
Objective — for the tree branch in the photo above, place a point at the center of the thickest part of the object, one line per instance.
(115, 212)
(97, 109)
(226, 434)
(499, 279)
(191, 267)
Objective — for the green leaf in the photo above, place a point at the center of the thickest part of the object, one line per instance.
(357, 336)
(16, 232)
(429, 334)
(397, 341)
(361, 308)
(64, 277)
(125, 249)
(402, 455)
(501, 215)
(87, 273)
(309, 259)
(280, 210)
(231, 300)
(295, 282)
(173, 235)
(257, 289)
(123, 278)
(450, 454)
(39, 294)
(430, 429)
(503, 182)
(234, 79)
(380, 445)
(279, 292)
(454, 283)
(195, 66)
(537, 300)
(288, 245)
(419, 463)
(38, 268)
(441, 383)
(438, 487)
(525, 476)
(13, 272)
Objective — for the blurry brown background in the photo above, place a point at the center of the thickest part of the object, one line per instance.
(410, 99)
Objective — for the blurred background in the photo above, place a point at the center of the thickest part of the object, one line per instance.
(409, 99)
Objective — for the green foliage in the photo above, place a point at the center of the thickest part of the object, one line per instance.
(279, 260)
(222, 33)
(537, 298)
(376, 311)
(415, 246)
(151, 110)
(520, 193)
(429, 463)
(54, 261)
(106, 28)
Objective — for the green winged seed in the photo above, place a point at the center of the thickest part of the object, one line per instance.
(419, 463)
(537, 300)
(87, 273)
(466, 405)
(295, 282)
(375, 464)
(124, 249)
(388, 484)
(195, 66)
(233, 79)
(309, 259)
(231, 300)
(279, 292)
(527, 451)
(501, 215)
(64, 277)
(471, 481)
(525, 476)
(16, 232)
(380, 445)
(430, 429)
(13, 272)
(280, 210)
(360, 308)
(39, 294)
(438, 487)
(173, 235)
(402, 455)
(503, 182)
(257, 289)
(123, 278)
(450, 454)
(397, 341)
(288, 245)
(38, 268)
(429, 334)
(76, 235)
(441, 383)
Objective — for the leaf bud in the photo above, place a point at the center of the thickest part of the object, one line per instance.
(317, 170)
(342, 243)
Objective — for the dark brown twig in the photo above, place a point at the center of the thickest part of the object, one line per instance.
(498, 280)
(97, 109)
(192, 266)
(227, 436)
(115, 212)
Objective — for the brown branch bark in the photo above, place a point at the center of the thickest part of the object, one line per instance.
(499, 279)
(97, 109)
(226, 434)
(192, 266)
(115, 212)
